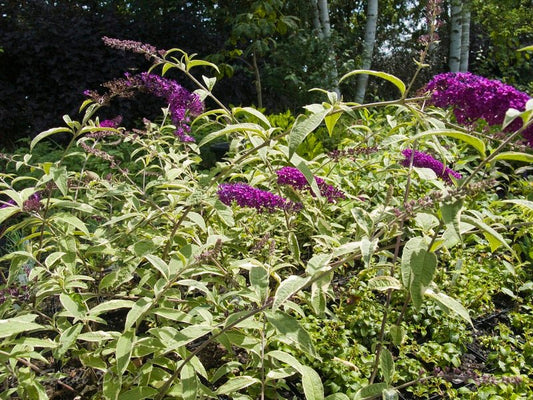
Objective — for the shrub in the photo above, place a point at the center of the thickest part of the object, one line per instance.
(157, 278)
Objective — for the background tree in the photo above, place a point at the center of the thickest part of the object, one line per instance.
(368, 48)
(500, 29)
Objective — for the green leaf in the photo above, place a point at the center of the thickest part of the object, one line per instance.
(510, 115)
(252, 111)
(287, 289)
(60, 177)
(384, 282)
(123, 350)
(259, 281)
(16, 325)
(138, 393)
(291, 332)
(390, 394)
(286, 358)
(520, 202)
(89, 360)
(495, 239)
(331, 121)
(527, 48)
(174, 339)
(197, 63)
(337, 396)
(68, 338)
(451, 216)
(230, 129)
(371, 390)
(514, 156)
(311, 381)
(111, 386)
(388, 77)
(397, 334)
(236, 384)
(312, 384)
(198, 220)
(386, 365)
(303, 126)
(71, 220)
(7, 212)
(418, 267)
(473, 141)
(45, 134)
(111, 305)
(159, 264)
(139, 308)
(98, 336)
(301, 164)
(189, 381)
(449, 304)
(73, 308)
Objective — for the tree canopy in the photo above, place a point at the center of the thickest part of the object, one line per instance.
(271, 52)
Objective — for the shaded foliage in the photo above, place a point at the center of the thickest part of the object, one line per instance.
(47, 48)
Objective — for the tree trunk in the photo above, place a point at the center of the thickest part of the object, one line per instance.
(325, 24)
(455, 36)
(324, 18)
(370, 40)
(465, 36)
(316, 19)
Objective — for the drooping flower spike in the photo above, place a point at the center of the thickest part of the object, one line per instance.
(294, 177)
(473, 97)
(424, 160)
(247, 196)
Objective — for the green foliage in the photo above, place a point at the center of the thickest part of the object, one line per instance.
(127, 267)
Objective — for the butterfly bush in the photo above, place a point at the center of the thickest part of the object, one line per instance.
(247, 196)
(424, 160)
(182, 104)
(293, 177)
(474, 97)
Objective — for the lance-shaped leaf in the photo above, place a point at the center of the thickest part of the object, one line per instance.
(494, 238)
(383, 75)
(303, 126)
(451, 213)
(13, 326)
(287, 289)
(473, 141)
(449, 304)
(418, 267)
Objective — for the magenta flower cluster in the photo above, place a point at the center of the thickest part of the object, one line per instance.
(247, 196)
(32, 204)
(474, 97)
(424, 160)
(182, 103)
(294, 177)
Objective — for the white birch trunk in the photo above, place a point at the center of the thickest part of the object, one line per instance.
(454, 61)
(323, 11)
(465, 36)
(368, 50)
(316, 19)
(324, 17)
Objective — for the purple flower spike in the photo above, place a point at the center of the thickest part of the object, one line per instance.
(294, 177)
(33, 204)
(473, 97)
(247, 196)
(181, 102)
(423, 160)
(9, 203)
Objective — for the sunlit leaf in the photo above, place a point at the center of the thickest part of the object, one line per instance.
(388, 77)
